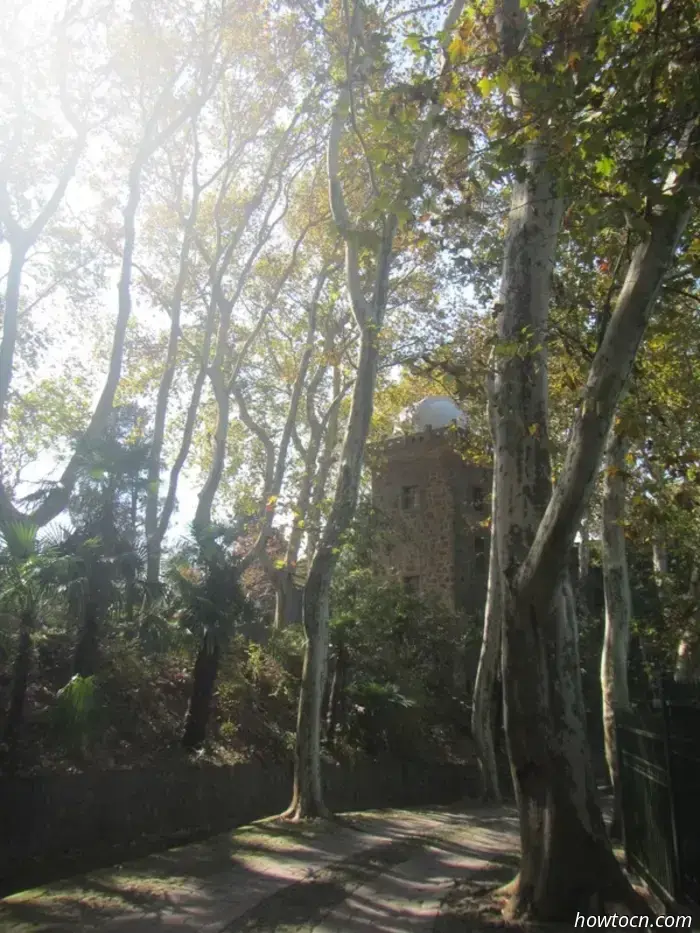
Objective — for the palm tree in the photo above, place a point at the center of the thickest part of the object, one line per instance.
(104, 512)
(210, 603)
(29, 569)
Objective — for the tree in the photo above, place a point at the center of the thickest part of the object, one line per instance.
(210, 603)
(618, 609)
(486, 685)
(29, 570)
(361, 49)
(105, 542)
(164, 104)
(566, 857)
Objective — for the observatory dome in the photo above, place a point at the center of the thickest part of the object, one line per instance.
(435, 412)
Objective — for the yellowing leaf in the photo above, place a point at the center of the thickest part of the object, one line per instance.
(457, 49)
(485, 85)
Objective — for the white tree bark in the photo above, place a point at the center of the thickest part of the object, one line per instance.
(328, 438)
(21, 240)
(314, 478)
(155, 529)
(566, 856)
(224, 386)
(307, 799)
(688, 653)
(618, 609)
(486, 684)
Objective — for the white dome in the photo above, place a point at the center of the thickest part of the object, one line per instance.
(435, 411)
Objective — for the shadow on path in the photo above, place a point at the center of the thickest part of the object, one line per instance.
(380, 870)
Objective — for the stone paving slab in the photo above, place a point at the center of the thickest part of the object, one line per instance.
(377, 870)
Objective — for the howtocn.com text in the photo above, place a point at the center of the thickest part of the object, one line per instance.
(636, 922)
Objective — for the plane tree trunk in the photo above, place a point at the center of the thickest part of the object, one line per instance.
(487, 685)
(154, 528)
(566, 856)
(307, 796)
(151, 140)
(618, 611)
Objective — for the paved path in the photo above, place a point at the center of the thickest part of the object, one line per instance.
(384, 871)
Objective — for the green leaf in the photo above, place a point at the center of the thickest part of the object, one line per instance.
(642, 8)
(412, 42)
(605, 166)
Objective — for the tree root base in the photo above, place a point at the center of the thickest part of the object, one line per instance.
(298, 814)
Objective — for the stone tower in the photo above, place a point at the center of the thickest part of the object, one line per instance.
(435, 506)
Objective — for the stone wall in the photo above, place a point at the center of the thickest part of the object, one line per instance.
(435, 540)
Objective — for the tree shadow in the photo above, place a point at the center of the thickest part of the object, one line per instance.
(258, 876)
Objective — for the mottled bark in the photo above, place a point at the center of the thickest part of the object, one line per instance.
(584, 566)
(618, 611)
(487, 684)
(289, 599)
(566, 856)
(369, 314)
(324, 465)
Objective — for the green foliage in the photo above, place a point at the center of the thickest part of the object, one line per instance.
(207, 593)
(76, 711)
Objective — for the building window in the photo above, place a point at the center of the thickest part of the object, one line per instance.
(478, 499)
(409, 498)
(480, 554)
(411, 584)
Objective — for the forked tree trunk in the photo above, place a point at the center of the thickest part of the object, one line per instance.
(307, 798)
(566, 862)
(14, 720)
(369, 316)
(618, 613)
(206, 669)
(153, 527)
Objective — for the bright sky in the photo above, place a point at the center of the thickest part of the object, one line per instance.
(75, 342)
